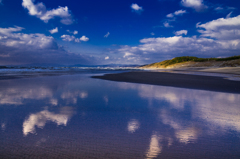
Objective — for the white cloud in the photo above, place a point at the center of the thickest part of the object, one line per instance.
(177, 13)
(152, 48)
(107, 57)
(21, 48)
(218, 8)
(39, 10)
(73, 38)
(105, 36)
(198, 5)
(221, 9)
(174, 44)
(75, 32)
(180, 12)
(68, 37)
(84, 38)
(54, 30)
(136, 8)
(181, 32)
(229, 15)
(219, 37)
(17, 40)
(222, 28)
(126, 54)
(170, 15)
(167, 25)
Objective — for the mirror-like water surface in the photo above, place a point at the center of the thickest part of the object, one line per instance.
(75, 116)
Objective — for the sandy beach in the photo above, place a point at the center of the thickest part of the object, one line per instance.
(184, 79)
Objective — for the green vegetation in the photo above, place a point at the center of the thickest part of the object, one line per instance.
(190, 58)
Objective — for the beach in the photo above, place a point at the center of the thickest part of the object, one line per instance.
(68, 114)
(192, 78)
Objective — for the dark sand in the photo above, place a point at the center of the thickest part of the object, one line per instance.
(201, 82)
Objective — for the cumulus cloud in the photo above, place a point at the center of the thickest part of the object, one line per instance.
(219, 37)
(73, 38)
(105, 36)
(198, 5)
(20, 48)
(68, 38)
(84, 38)
(39, 10)
(54, 30)
(9, 37)
(181, 32)
(157, 48)
(177, 13)
(136, 8)
(180, 12)
(170, 15)
(107, 57)
(167, 25)
(75, 32)
(222, 28)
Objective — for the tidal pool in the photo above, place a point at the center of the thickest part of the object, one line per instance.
(75, 116)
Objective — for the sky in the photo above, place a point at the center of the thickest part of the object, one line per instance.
(68, 32)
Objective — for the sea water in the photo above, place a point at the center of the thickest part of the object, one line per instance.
(68, 114)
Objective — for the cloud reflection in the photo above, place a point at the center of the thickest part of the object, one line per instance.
(185, 132)
(16, 95)
(3, 126)
(190, 111)
(133, 125)
(72, 96)
(155, 147)
(40, 119)
(187, 135)
(26, 90)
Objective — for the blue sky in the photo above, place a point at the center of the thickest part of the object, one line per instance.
(119, 32)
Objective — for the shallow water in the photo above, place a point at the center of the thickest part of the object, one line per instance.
(75, 116)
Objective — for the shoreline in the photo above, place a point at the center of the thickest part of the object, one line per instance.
(176, 79)
(215, 70)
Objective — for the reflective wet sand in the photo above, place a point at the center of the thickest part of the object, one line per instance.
(75, 116)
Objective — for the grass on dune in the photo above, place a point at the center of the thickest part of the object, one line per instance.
(190, 58)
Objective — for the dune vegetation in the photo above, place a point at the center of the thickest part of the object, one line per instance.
(191, 61)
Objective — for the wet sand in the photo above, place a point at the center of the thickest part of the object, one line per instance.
(181, 80)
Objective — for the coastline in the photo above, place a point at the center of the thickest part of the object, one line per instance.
(220, 70)
(181, 78)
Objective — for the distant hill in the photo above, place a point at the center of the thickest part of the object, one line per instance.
(108, 65)
(190, 61)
